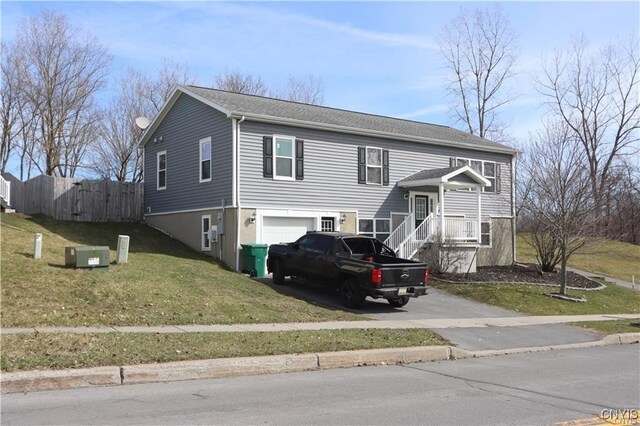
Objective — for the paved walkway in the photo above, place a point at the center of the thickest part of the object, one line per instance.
(435, 324)
(622, 283)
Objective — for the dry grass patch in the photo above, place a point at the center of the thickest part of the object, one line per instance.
(532, 299)
(606, 257)
(165, 282)
(46, 351)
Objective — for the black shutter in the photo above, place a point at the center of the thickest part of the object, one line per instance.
(385, 167)
(452, 162)
(267, 156)
(498, 185)
(362, 164)
(299, 159)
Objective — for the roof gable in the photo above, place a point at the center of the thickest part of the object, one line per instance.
(452, 177)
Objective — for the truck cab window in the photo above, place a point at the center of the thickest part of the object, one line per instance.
(360, 245)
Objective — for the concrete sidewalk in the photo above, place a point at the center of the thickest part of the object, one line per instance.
(435, 324)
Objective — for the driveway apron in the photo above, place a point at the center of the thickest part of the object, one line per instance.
(441, 305)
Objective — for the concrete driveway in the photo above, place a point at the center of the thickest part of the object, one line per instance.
(440, 305)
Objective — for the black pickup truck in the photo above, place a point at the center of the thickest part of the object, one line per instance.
(356, 265)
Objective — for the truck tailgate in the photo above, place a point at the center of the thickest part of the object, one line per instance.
(403, 275)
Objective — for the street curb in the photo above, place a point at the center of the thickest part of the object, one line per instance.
(218, 368)
(31, 381)
(328, 360)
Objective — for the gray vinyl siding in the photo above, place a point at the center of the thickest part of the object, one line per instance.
(187, 122)
(331, 179)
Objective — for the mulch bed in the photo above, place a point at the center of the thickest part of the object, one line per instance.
(519, 273)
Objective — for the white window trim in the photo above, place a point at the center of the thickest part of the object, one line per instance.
(203, 233)
(375, 230)
(203, 142)
(333, 222)
(158, 187)
(482, 162)
(366, 166)
(490, 222)
(293, 158)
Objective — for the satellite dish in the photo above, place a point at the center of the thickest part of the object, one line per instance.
(142, 122)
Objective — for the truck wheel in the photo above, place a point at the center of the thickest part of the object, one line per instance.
(398, 302)
(351, 295)
(278, 273)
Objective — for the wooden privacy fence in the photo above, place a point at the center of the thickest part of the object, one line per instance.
(78, 199)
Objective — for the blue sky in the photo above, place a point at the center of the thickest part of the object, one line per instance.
(376, 57)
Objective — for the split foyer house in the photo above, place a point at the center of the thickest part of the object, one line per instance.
(222, 169)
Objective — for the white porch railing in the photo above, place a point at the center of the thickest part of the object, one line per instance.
(459, 229)
(423, 233)
(401, 232)
(407, 239)
(5, 190)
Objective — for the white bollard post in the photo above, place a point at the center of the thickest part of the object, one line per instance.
(123, 249)
(37, 246)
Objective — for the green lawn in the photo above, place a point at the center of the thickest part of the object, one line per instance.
(45, 351)
(611, 327)
(606, 257)
(531, 299)
(165, 282)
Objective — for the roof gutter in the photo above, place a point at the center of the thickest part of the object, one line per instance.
(376, 133)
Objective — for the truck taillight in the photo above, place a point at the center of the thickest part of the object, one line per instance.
(376, 276)
(426, 275)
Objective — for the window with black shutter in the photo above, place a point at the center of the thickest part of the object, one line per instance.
(283, 157)
(267, 156)
(373, 165)
(299, 159)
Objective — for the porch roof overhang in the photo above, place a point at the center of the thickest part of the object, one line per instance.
(449, 178)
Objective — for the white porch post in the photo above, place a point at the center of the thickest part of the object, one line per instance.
(441, 197)
(479, 211)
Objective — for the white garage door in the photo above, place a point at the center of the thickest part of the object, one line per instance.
(285, 229)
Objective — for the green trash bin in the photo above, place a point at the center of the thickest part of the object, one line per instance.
(255, 259)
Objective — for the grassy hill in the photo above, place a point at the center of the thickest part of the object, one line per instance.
(165, 282)
(605, 257)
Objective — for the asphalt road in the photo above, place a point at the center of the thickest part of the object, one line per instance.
(440, 304)
(537, 388)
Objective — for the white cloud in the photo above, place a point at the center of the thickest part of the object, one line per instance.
(423, 112)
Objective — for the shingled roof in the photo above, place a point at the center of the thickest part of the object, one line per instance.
(303, 115)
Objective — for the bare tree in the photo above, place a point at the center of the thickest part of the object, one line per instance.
(118, 154)
(559, 208)
(480, 52)
(62, 73)
(10, 103)
(308, 89)
(156, 90)
(597, 96)
(236, 81)
(623, 203)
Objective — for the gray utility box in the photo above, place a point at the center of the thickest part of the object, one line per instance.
(86, 256)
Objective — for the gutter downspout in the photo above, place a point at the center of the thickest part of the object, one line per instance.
(513, 206)
(237, 190)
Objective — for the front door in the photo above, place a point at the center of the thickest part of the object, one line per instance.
(421, 208)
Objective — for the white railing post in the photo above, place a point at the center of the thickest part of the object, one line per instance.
(400, 233)
(5, 190)
(416, 239)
